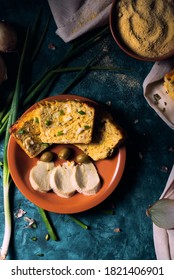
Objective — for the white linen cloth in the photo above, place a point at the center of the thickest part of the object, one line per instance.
(75, 17)
(164, 239)
(153, 84)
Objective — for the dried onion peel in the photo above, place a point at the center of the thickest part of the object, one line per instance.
(162, 213)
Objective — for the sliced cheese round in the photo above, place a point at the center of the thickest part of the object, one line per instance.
(60, 180)
(86, 179)
(40, 176)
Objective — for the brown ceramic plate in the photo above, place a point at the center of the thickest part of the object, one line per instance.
(110, 171)
(113, 16)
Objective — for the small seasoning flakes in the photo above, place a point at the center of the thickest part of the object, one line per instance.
(117, 229)
(136, 121)
(31, 222)
(34, 238)
(164, 169)
(47, 237)
(20, 213)
(52, 46)
(108, 103)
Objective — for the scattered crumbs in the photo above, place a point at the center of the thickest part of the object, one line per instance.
(47, 237)
(117, 229)
(130, 81)
(136, 121)
(34, 238)
(105, 49)
(20, 213)
(51, 46)
(164, 169)
(31, 222)
(106, 60)
(108, 103)
(171, 149)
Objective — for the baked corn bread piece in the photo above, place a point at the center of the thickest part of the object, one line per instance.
(26, 131)
(107, 136)
(169, 83)
(66, 122)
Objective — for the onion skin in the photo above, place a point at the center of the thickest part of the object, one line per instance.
(3, 71)
(162, 213)
(8, 37)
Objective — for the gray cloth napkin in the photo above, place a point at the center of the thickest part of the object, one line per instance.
(75, 17)
(164, 239)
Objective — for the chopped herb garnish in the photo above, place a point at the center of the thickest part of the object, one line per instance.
(36, 120)
(48, 122)
(21, 131)
(81, 112)
(45, 145)
(86, 126)
(62, 113)
(59, 133)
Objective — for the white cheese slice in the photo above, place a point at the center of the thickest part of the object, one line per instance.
(60, 180)
(86, 179)
(40, 176)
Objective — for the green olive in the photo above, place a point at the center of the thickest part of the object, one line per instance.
(64, 153)
(47, 156)
(82, 158)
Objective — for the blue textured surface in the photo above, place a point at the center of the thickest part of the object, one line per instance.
(142, 182)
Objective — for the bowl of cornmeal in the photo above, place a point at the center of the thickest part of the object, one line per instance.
(144, 29)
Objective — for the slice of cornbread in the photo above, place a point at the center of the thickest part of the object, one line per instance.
(169, 83)
(65, 122)
(26, 131)
(107, 136)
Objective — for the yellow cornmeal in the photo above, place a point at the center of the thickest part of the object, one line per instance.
(147, 26)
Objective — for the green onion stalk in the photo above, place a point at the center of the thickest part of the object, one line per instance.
(6, 174)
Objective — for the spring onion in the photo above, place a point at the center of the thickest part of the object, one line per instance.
(44, 217)
(77, 221)
(6, 173)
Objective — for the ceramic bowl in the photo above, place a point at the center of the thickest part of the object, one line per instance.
(124, 47)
